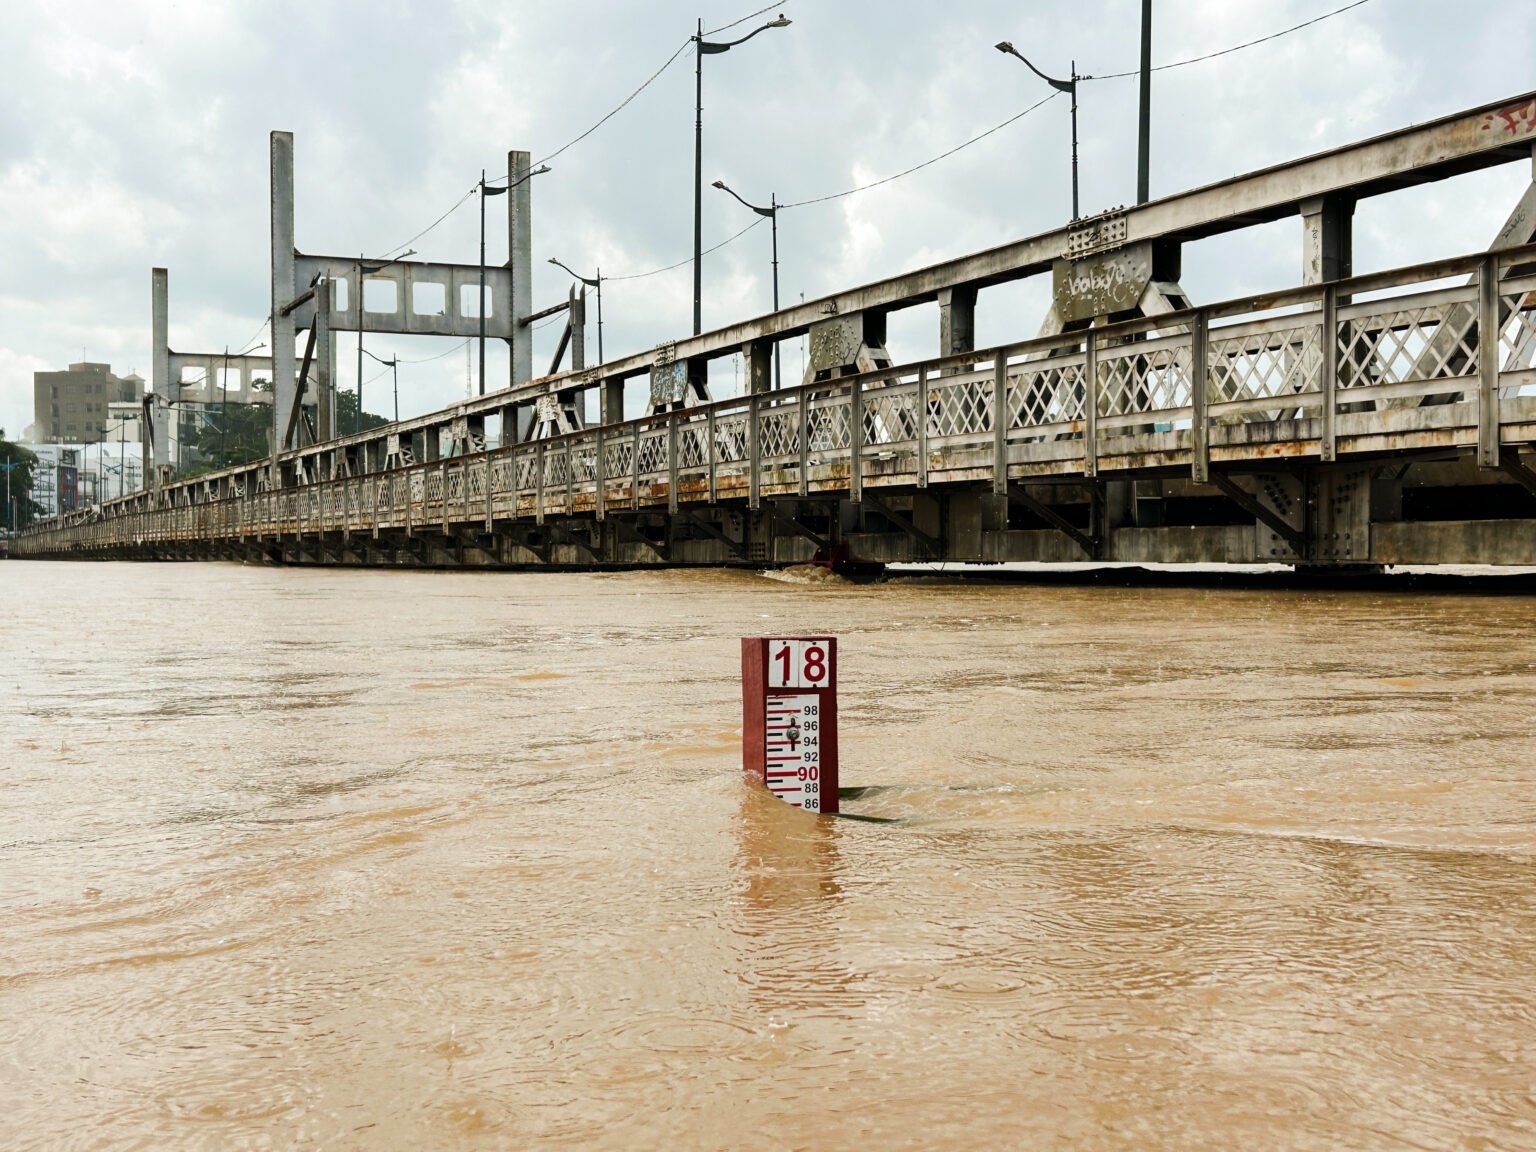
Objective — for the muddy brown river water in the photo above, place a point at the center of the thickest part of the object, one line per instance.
(383, 860)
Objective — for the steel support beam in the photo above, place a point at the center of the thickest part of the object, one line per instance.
(799, 529)
(1087, 542)
(1509, 461)
(1239, 496)
(934, 545)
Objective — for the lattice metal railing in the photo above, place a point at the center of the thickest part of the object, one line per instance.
(779, 432)
(653, 452)
(890, 415)
(1144, 377)
(1046, 392)
(959, 406)
(1160, 385)
(693, 444)
(731, 433)
(1267, 360)
(827, 424)
(1423, 338)
(1517, 332)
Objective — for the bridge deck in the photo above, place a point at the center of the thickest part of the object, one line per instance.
(1432, 362)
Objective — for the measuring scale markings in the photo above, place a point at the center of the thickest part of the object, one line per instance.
(794, 750)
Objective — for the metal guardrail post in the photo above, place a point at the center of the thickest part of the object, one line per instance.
(1199, 397)
(1489, 353)
(516, 493)
(754, 453)
(1000, 424)
(634, 471)
(671, 461)
(709, 451)
(855, 440)
(1090, 405)
(805, 441)
(601, 472)
(490, 495)
(922, 427)
(570, 475)
(538, 484)
(1328, 339)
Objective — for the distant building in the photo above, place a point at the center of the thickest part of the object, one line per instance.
(72, 476)
(71, 407)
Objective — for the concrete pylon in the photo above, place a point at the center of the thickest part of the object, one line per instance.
(284, 384)
(520, 260)
(158, 425)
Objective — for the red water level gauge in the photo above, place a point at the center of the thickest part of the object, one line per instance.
(789, 717)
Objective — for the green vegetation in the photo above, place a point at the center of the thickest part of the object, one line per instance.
(239, 434)
(17, 463)
(346, 413)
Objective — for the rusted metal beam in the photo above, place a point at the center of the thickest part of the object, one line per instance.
(524, 321)
(698, 521)
(932, 543)
(1272, 520)
(1509, 461)
(799, 529)
(1084, 540)
(624, 524)
(573, 537)
(298, 394)
(565, 340)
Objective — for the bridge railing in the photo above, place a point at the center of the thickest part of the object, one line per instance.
(1382, 355)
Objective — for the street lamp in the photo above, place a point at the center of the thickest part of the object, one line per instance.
(487, 190)
(703, 48)
(1067, 86)
(122, 458)
(772, 212)
(10, 466)
(590, 283)
(393, 364)
(224, 393)
(362, 270)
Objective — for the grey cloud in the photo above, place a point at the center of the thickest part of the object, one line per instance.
(134, 134)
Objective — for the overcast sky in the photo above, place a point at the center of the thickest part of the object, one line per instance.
(134, 134)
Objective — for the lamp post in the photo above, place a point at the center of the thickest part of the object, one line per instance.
(1067, 86)
(487, 190)
(224, 396)
(1144, 112)
(362, 270)
(772, 212)
(10, 514)
(703, 48)
(590, 282)
(393, 364)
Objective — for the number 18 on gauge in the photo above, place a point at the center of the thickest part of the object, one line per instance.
(789, 720)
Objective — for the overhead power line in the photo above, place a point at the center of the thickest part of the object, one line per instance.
(1235, 47)
(457, 204)
(623, 105)
(681, 48)
(925, 163)
(748, 16)
(439, 356)
(689, 259)
(874, 183)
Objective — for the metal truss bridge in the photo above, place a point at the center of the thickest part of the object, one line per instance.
(1347, 421)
